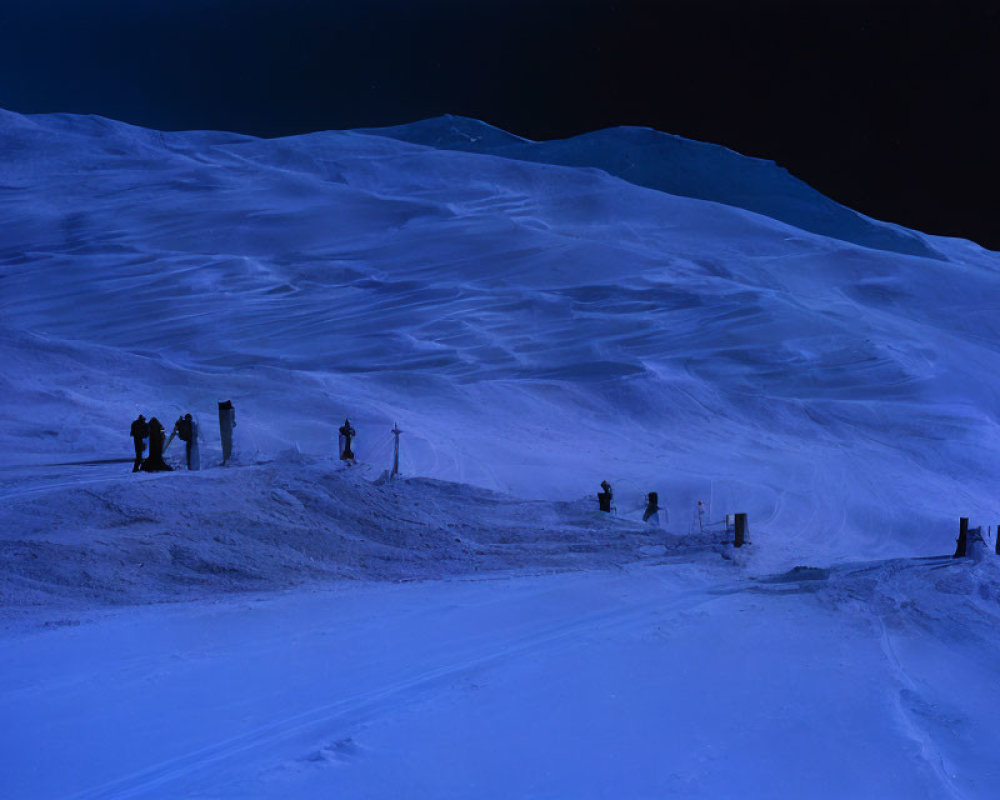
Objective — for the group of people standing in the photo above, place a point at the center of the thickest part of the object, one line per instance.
(605, 501)
(185, 429)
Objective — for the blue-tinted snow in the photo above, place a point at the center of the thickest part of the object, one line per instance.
(678, 166)
(535, 328)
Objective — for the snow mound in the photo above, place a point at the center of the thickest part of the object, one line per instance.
(126, 539)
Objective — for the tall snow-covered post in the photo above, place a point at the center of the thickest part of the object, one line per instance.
(395, 449)
(963, 537)
(227, 421)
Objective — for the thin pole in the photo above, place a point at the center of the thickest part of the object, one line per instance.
(395, 449)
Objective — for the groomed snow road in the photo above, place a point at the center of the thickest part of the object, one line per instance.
(658, 680)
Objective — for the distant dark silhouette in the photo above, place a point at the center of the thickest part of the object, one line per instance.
(185, 432)
(154, 462)
(652, 506)
(227, 421)
(140, 430)
(347, 433)
(395, 449)
(604, 497)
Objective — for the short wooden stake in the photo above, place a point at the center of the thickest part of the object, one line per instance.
(963, 537)
(741, 530)
(998, 540)
(652, 506)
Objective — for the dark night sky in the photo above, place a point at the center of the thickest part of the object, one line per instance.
(889, 107)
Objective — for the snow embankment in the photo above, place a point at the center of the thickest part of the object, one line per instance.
(121, 539)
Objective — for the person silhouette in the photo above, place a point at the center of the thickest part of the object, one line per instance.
(185, 432)
(347, 433)
(604, 497)
(652, 508)
(139, 433)
(154, 462)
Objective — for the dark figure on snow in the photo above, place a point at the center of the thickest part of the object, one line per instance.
(346, 434)
(652, 507)
(185, 432)
(155, 462)
(604, 497)
(227, 421)
(140, 430)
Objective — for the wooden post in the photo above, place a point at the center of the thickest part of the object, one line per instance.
(395, 450)
(998, 540)
(741, 530)
(652, 506)
(963, 537)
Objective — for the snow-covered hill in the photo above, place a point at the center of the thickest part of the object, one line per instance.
(537, 317)
(675, 165)
(534, 328)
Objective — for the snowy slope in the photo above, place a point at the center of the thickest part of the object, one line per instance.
(534, 328)
(678, 166)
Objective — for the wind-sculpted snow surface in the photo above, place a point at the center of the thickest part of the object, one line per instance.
(678, 166)
(533, 327)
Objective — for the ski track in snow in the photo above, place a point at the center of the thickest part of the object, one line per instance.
(343, 715)
(846, 655)
(929, 751)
